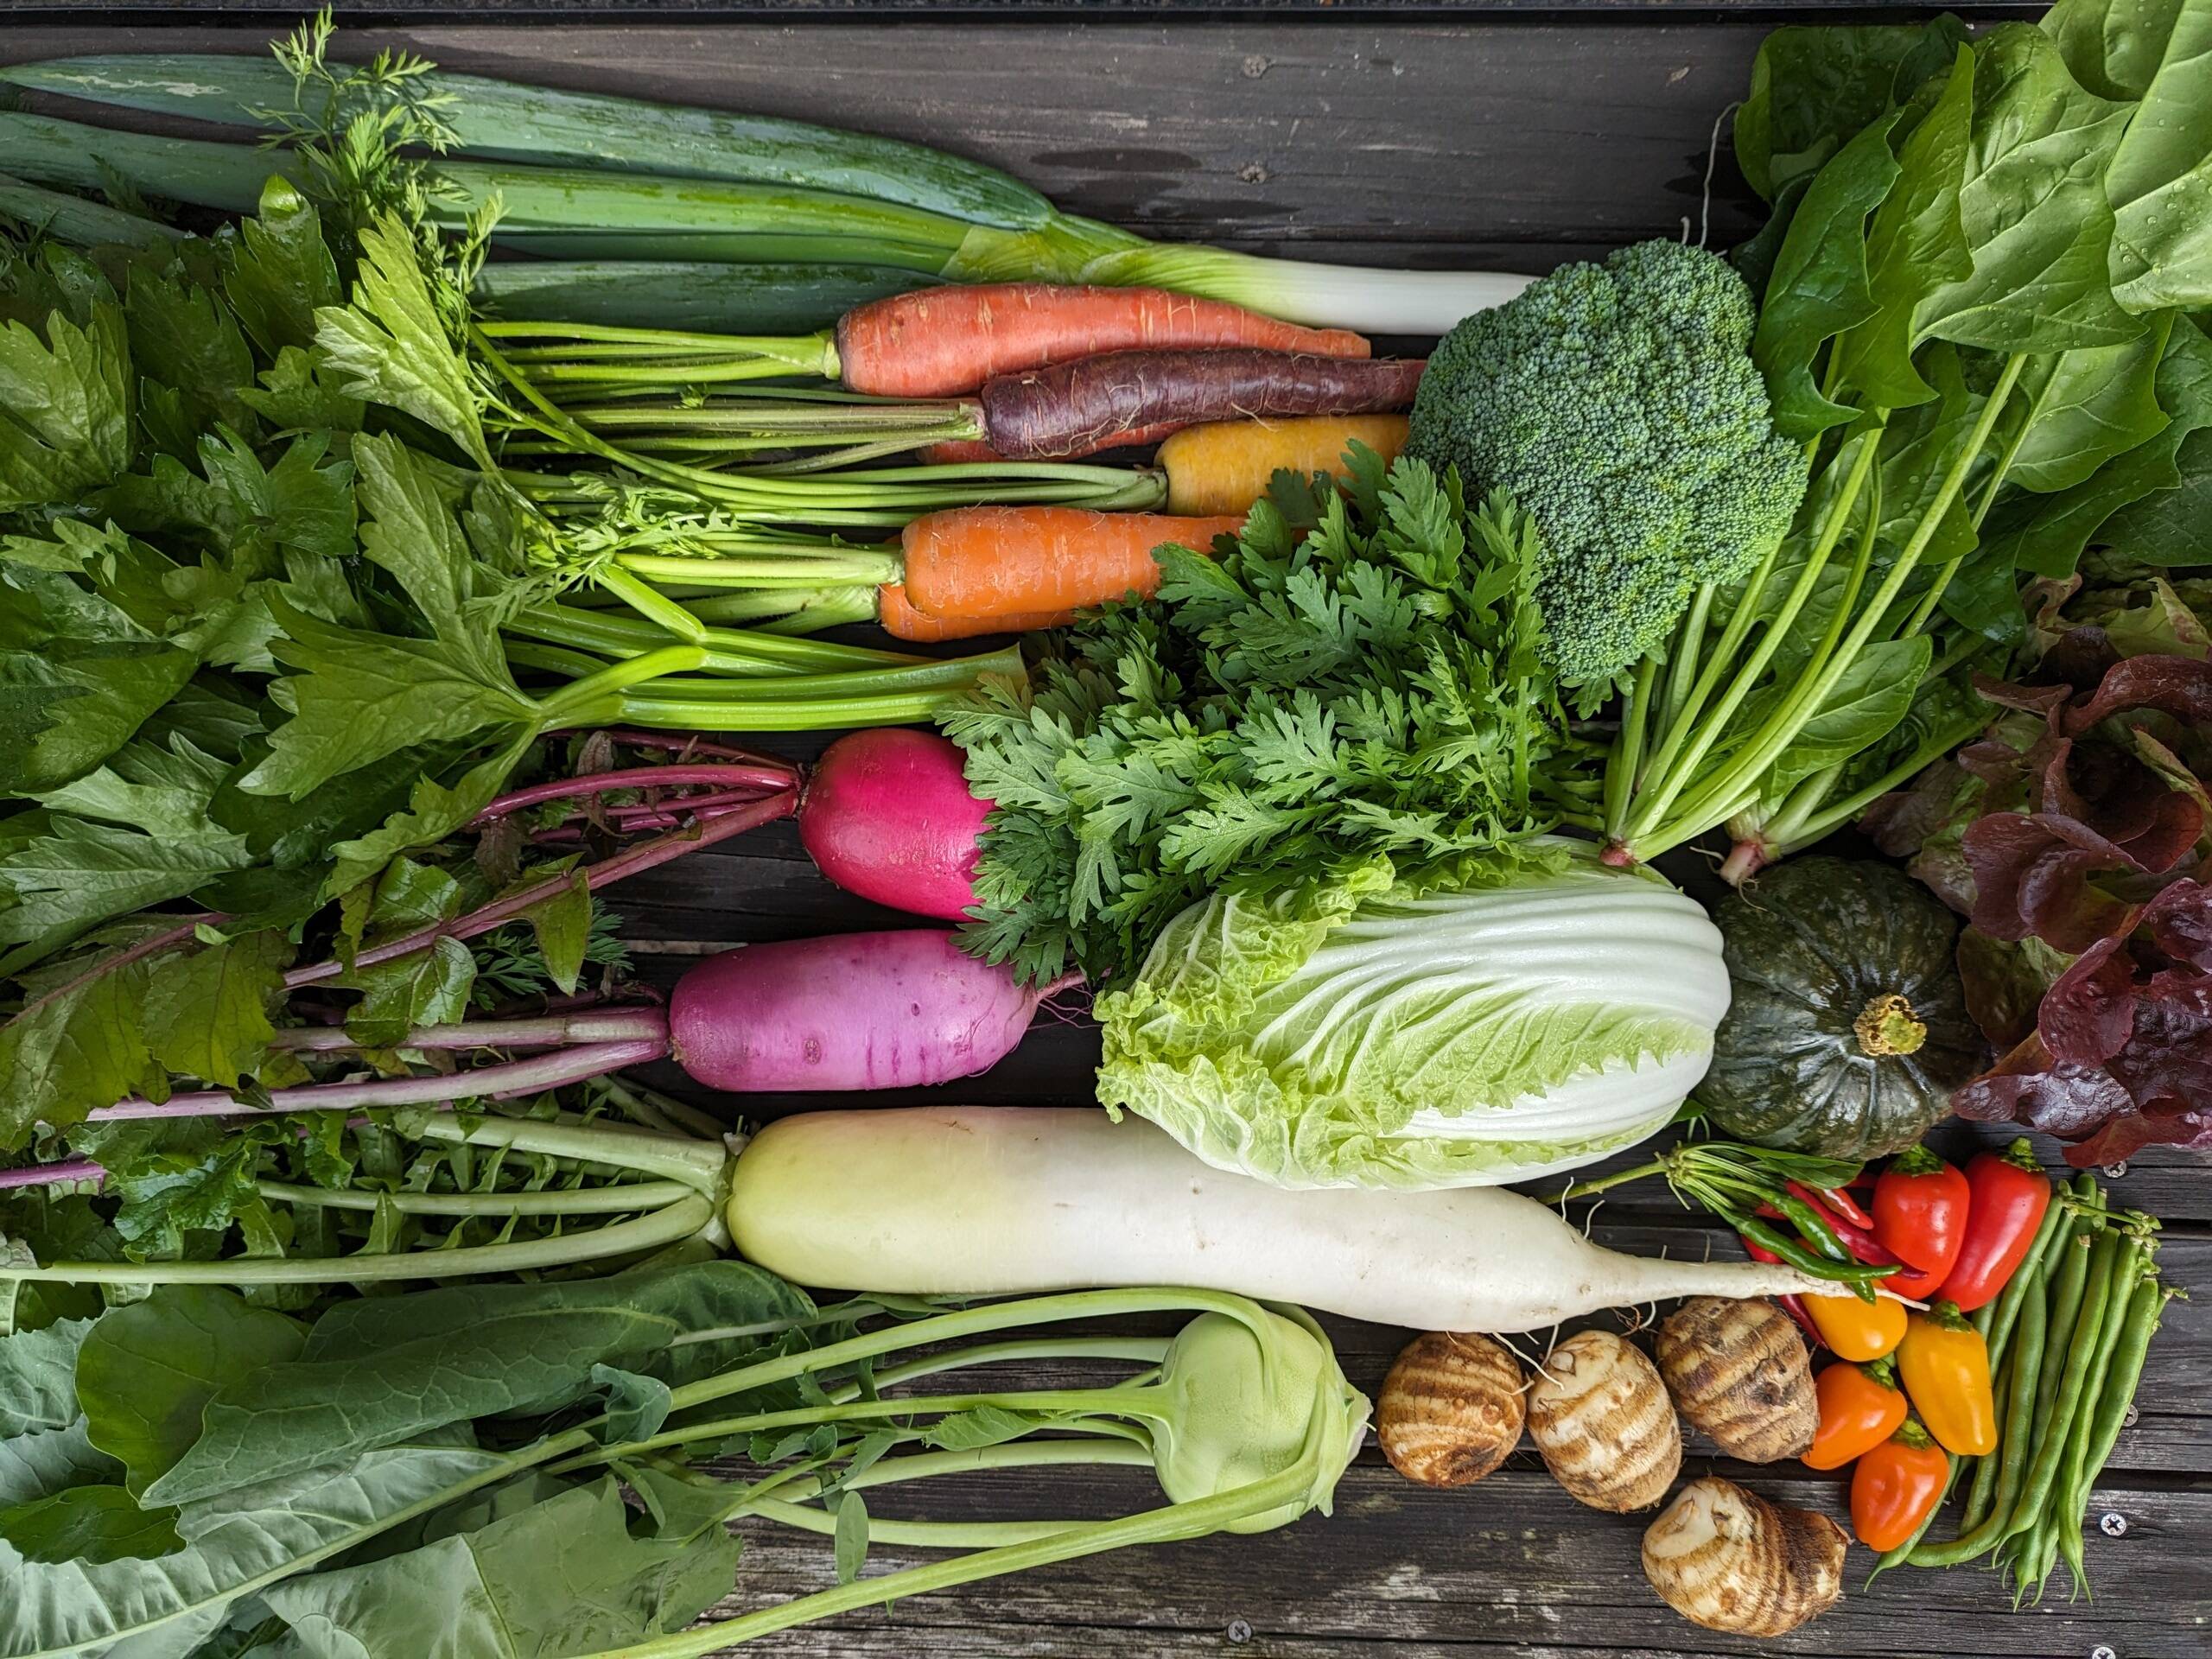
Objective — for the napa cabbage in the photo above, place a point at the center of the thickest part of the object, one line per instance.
(1356, 1030)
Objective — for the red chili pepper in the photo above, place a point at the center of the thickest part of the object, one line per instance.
(1854, 1235)
(1792, 1303)
(1840, 1202)
(1920, 1216)
(2007, 1193)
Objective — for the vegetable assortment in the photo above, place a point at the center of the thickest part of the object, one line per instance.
(392, 534)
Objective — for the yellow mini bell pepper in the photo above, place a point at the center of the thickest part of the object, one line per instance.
(1855, 1329)
(1943, 1363)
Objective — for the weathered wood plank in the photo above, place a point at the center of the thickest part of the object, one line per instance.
(1377, 141)
(1512, 1564)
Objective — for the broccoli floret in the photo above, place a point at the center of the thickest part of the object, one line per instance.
(1619, 405)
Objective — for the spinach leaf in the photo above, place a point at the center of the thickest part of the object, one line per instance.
(37, 1378)
(1813, 88)
(2113, 47)
(1915, 243)
(2032, 206)
(377, 1372)
(2160, 179)
(562, 1577)
(1818, 288)
(230, 1544)
(148, 1371)
(2086, 406)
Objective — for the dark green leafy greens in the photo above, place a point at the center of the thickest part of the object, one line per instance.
(1968, 324)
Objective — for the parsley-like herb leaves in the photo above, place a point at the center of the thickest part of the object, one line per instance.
(1360, 675)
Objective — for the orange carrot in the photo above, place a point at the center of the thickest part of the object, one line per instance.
(1224, 466)
(942, 342)
(985, 563)
(902, 621)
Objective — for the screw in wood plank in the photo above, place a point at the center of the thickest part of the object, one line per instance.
(2130, 1417)
(2113, 1524)
(2101, 1651)
(1241, 1631)
(2114, 1172)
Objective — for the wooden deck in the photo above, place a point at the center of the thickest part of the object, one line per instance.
(1424, 141)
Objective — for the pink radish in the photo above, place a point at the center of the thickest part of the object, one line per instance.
(899, 1009)
(887, 816)
(890, 1010)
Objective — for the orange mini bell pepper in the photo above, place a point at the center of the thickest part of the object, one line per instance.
(1861, 1406)
(1944, 1365)
(1855, 1329)
(1895, 1486)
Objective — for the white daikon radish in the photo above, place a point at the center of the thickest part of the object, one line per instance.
(986, 1201)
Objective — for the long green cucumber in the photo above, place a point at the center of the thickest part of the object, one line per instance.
(502, 120)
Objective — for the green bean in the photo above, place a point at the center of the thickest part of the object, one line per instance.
(1997, 1480)
(2131, 1288)
(2069, 1287)
(2054, 1426)
(2033, 1274)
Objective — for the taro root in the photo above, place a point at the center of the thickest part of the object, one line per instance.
(1730, 1561)
(1600, 1415)
(1451, 1409)
(1739, 1372)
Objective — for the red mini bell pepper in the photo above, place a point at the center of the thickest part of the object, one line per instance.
(2007, 1194)
(1920, 1217)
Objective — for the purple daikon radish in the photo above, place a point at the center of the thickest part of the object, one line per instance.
(886, 1010)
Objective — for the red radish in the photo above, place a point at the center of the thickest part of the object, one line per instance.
(887, 1010)
(887, 816)
(941, 342)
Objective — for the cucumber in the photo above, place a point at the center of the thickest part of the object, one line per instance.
(502, 120)
(80, 223)
(42, 150)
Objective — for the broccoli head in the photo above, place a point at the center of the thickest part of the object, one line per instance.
(1619, 405)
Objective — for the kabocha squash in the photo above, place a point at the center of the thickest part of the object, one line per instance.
(1849, 1030)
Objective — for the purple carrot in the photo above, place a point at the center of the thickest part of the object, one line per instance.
(1093, 403)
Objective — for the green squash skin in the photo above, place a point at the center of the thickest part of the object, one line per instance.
(1809, 945)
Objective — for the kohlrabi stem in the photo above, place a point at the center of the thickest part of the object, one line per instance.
(581, 1201)
(963, 1324)
(501, 1081)
(1193, 1518)
(1074, 1405)
(631, 860)
(789, 1508)
(647, 1233)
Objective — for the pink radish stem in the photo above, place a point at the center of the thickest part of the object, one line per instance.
(725, 775)
(77, 1169)
(629, 862)
(501, 1081)
(544, 1031)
